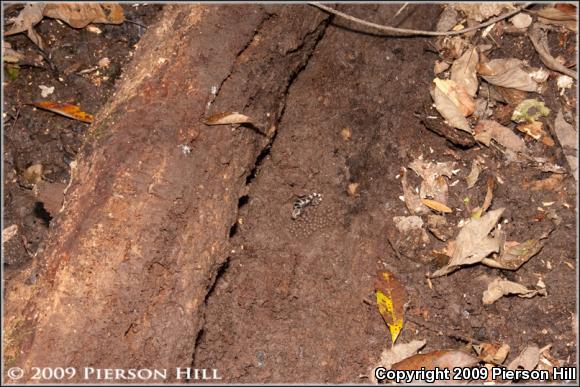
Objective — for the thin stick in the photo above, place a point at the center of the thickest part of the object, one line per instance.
(409, 32)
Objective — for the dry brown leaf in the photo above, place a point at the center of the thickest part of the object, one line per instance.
(488, 194)
(514, 255)
(567, 137)
(473, 243)
(9, 232)
(79, 15)
(559, 14)
(10, 55)
(440, 66)
(492, 353)
(391, 299)
(447, 19)
(433, 185)
(445, 358)
(412, 199)
(511, 96)
(437, 206)
(535, 130)
(395, 354)
(508, 73)
(528, 359)
(539, 39)
(486, 130)
(552, 183)
(33, 173)
(471, 179)
(464, 71)
(457, 93)
(449, 111)
(501, 287)
(65, 109)
(28, 17)
(482, 11)
(228, 118)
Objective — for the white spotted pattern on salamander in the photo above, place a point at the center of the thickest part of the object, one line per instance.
(303, 202)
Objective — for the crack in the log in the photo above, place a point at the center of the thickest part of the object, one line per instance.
(215, 93)
(318, 34)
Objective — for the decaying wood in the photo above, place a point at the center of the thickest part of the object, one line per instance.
(122, 279)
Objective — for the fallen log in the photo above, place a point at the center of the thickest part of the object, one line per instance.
(145, 225)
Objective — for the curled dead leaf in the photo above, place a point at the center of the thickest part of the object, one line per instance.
(528, 359)
(9, 232)
(487, 130)
(449, 111)
(464, 71)
(33, 174)
(79, 15)
(473, 243)
(65, 109)
(437, 206)
(501, 287)
(457, 93)
(228, 119)
(559, 14)
(471, 179)
(509, 73)
(492, 353)
(398, 352)
(514, 255)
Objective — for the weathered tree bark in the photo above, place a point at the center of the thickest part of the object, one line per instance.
(123, 277)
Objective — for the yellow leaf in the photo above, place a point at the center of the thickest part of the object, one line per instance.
(391, 298)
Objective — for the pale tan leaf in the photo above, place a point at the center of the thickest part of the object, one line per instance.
(10, 55)
(567, 136)
(473, 243)
(228, 118)
(395, 354)
(501, 287)
(449, 111)
(412, 200)
(492, 353)
(471, 179)
(79, 15)
(559, 14)
(9, 232)
(528, 359)
(508, 73)
(433, 185)
(463, 71)
(486, 130)
(457, 94)
(482, 11)
(513, 256)
(437, 206)
(30, 15)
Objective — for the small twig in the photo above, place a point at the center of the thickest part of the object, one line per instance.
(400, 10)
(136, 23)
(410, 32)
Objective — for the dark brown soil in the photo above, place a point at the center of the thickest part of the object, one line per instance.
(291, 303)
